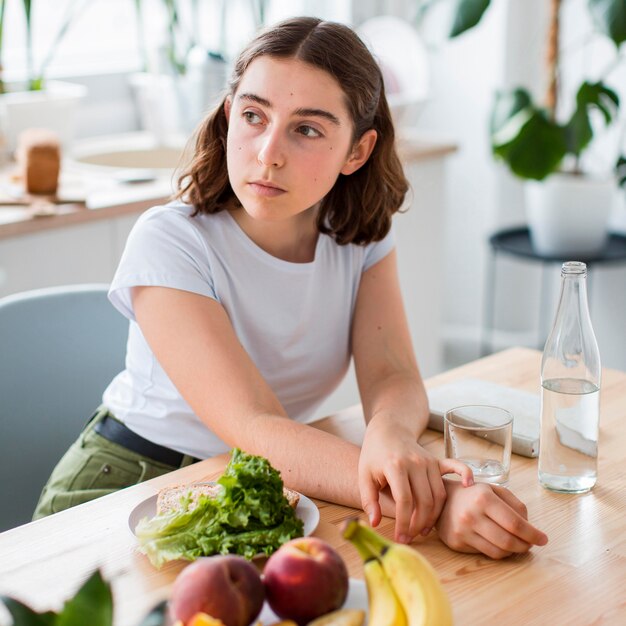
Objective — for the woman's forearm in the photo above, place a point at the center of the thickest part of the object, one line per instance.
(310, 460)
(399, 401)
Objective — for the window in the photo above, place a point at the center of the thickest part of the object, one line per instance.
(105, 35)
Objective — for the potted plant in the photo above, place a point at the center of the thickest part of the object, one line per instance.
(35, 101)
(567, 209)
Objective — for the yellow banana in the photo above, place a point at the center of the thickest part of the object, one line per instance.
(411, 576)
(417, 586)
(384, 606)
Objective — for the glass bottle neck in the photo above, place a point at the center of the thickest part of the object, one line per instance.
(571, 350)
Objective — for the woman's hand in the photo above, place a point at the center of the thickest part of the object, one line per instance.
(390, 457)
(488, 519)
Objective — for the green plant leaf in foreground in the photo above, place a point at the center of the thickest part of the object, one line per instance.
(610, 17)
(24, 616)
(92, 604)
(467, 14)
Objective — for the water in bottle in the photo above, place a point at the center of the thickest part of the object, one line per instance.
(570, 399)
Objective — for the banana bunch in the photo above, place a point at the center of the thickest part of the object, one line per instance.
(402, 587)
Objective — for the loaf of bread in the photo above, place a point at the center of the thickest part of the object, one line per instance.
(39, 158)
(168, 499)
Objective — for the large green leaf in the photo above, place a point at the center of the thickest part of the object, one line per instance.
(523, 136)
(578, 131)
(610, 17)
(24, 616)
(511, 110)
(92, 605)
(467, 14)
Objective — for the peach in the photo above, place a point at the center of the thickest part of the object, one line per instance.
(202, 619)
(304, 579)
(227, 588)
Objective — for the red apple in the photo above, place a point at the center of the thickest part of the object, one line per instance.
(304, 579)
(228, 588)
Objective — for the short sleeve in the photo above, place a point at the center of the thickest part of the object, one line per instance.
(378, 250)
(164, 249)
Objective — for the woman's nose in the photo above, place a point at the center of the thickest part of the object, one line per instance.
(271, 152)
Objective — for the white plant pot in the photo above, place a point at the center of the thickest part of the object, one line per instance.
(568, 216)
(53, 108)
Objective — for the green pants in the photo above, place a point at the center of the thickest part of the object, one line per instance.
(94, 467)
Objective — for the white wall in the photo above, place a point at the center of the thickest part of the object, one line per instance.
(507, 49)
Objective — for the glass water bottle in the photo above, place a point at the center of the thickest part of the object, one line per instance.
(570, 395)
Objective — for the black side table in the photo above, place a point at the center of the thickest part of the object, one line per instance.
(516, 242)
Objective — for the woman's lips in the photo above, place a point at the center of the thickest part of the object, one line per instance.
(265, 189)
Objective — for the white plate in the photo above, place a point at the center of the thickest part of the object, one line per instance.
(357, 599)
(306, 511)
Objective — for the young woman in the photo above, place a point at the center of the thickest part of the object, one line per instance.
(248, 296)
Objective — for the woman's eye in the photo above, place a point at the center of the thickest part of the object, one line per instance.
(251, 117)
(308, 131)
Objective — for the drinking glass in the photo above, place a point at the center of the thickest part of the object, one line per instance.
(480, 436)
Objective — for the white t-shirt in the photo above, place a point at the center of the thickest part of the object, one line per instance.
(293, 319)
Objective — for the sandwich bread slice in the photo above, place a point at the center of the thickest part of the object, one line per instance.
(168, 499)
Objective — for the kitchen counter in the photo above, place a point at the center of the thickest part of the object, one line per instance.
(113, 200)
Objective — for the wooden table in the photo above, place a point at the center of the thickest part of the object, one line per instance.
(578, 578)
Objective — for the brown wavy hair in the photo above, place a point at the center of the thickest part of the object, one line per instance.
(359, 207)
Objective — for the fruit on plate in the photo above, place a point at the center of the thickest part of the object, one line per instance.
(410, 576)
(202, 619)
(305, 578)
(384, 606)
(342, 617)
(227, 588)
(199, 619)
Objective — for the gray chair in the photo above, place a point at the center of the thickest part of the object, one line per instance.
(59, 349)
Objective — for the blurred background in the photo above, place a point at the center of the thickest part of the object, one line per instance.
(134, 77)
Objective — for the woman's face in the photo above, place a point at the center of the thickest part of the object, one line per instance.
(289, 137)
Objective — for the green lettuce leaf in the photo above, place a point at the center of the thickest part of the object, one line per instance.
(249, 516)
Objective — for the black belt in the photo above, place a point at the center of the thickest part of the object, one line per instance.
(115, 431)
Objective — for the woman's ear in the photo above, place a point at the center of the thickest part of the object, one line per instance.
(228, 101)
(361, 152)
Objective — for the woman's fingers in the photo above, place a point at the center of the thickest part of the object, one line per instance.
(413, 528)
(486, 547)
(439, 497)
(510, 520)
(499, 536)
(509, 497)
(369, 498)
(403, 497)
(423, 498)
(452, 466)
